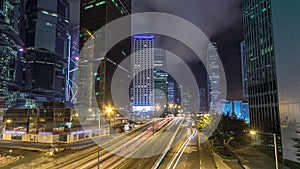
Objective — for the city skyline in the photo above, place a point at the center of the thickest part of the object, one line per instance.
(149, 84)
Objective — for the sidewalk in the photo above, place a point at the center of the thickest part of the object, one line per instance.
(250, 157)
(220, 163)
(6, 160)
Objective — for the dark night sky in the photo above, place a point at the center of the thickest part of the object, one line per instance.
(220, 20)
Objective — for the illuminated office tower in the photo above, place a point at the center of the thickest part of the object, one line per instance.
(185, 99)
(10, 54)
(202, 100)
(142, 64)
(213, 70)
(261, 67)
(10, 47)
(47, 41)
(93, 15)
(272, 52)
(244, 70)
(160, 79)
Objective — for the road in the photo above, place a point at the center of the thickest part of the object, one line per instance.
(139, 149)
(206, 157)
(36, 159)
(149, 153)
(110, 152)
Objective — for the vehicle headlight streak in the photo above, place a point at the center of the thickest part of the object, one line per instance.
(181, 150)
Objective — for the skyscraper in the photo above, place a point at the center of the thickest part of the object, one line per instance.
(261, 66)
(47, 41)
(272, 48)
(160, 78)
(93, 15)
(185, 99)
(213, 83)
(202, 100)
(11, 47)
(244, 70)
(11, 50)
(142, 64)
(285, 17)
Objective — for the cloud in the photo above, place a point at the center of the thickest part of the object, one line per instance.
(211, 16)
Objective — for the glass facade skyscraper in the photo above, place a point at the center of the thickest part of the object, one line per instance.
(286, 26)
(260, 63)
(202, 100)
(93, 15)
(47, 49)
(213, 83)
(11, 47)
(244, 70)
(160, 78)
(272, 54)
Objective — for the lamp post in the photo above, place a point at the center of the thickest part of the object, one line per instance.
(99, 129)
(109, 110)
(7, 122)
(275, 145)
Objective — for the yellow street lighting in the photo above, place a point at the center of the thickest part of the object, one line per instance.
(109, 109)
(8, 121)
(275, 144)
(252, 132)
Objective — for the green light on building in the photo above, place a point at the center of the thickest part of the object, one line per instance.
(88, 7)
(100, 3)
(123, 53)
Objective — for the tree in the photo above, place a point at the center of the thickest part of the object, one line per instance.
(233, 129)
(203, 121)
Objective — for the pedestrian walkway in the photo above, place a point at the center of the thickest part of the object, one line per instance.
(220, 163)
(253, 158)
(6, 159)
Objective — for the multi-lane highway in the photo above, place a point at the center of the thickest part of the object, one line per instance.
(115, 150)
(147, 155)
(172, 145)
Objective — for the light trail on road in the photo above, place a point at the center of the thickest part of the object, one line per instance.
(181, 150)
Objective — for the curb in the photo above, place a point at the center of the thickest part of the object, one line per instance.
(240, 161)
(220, 159)
(16, 159)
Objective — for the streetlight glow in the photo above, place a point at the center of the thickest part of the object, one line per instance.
(109, 109)
(253, 132)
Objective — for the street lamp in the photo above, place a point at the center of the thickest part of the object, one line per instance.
(7, 122)
(275, 144)
(109, 110)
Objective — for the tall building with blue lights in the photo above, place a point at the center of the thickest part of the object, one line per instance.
(272, 52)
(142, 65)
(11, 47)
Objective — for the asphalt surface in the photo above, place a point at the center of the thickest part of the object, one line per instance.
(146, 156)
(206, 157)
(144, 151)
